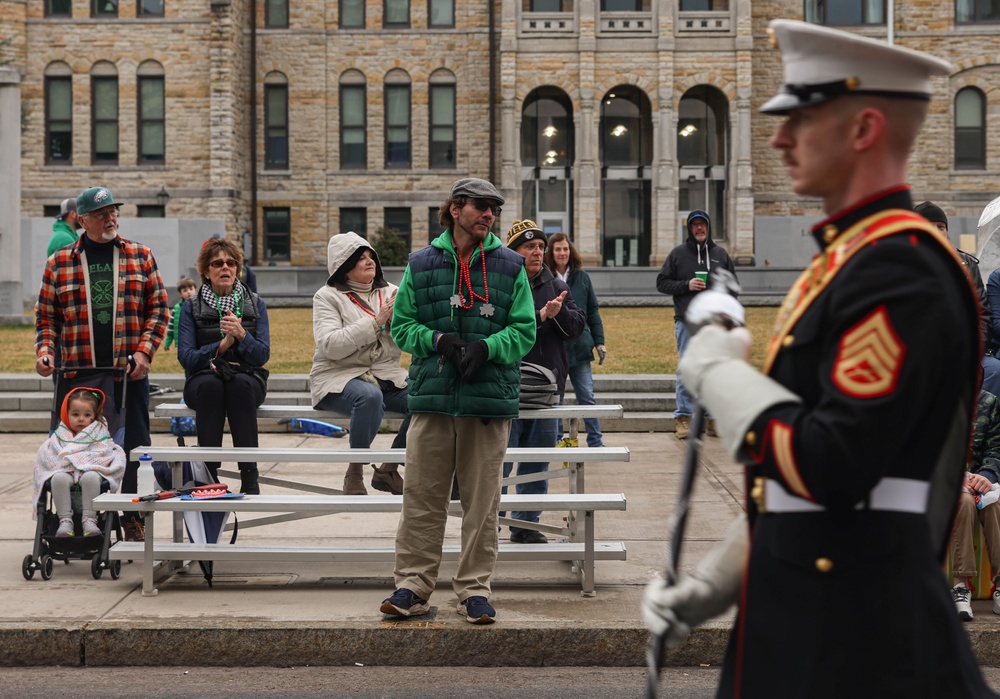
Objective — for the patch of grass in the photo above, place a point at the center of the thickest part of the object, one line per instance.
(639, 341)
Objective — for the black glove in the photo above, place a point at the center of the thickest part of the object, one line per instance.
(450, 347)
(476, 354)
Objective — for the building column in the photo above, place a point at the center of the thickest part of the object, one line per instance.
(11, 303)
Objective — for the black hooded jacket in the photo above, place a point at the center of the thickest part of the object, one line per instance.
(686, 259)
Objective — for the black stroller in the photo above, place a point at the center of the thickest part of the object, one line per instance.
(47, 547)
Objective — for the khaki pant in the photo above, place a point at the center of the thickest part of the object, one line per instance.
(963, 554)
(438, 446)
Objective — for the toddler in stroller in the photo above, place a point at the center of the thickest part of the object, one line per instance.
(82, 451)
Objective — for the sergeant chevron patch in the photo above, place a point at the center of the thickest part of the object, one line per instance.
(869, 358)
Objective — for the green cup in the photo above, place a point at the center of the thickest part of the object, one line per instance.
(702, 276)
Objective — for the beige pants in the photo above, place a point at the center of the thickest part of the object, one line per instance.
(438, 446)
(963, 555)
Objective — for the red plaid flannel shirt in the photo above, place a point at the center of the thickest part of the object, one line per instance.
(62, 313)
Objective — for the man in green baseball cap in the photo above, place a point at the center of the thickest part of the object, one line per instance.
(95, 198)
(101, 302)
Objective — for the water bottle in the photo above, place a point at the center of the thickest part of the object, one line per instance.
(147, 479)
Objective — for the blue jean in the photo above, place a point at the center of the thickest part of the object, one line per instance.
(583, 387)
(991, 375)
(685, 401)
(530, 433)
(366, 403)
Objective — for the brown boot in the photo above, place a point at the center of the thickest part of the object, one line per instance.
(387, 479)
(682, 426)
(354, 480)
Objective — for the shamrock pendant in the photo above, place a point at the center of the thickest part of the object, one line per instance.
(457, 301)
(486, 310)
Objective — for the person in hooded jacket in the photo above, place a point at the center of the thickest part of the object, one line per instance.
(678, 277)
(356, 367)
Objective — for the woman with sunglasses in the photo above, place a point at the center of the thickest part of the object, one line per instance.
(356, 368)
(223, 344)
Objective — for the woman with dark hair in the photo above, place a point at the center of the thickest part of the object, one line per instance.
(566, 264)
(223, 344)
(356, 367)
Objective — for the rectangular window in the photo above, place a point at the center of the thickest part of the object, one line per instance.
(970, 11)
(709, 5)
(547, 6)
(354, 219)
(442, 146)
(441, 13)
(397, 126)
(150, 8)
(398, 219)
(397, 13)
(152, 124)
(275, 127)
(58, 8)
(353, 127)
(59, 120)
(50, 210)
(276, 13)
(151, 211)
(104, 8)
(845, 12)
(278, 234)
(623, 6)
(104, 130)
(433, 223)
(352, 14)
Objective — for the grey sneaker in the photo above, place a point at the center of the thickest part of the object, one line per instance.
(996, 601)
(90, 527)
(65, 527)
(404, 602)
(963, 596)
(477, 610)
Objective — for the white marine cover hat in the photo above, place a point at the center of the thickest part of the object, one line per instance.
(821, 64)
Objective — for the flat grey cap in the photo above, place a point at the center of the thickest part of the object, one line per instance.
(477, 189)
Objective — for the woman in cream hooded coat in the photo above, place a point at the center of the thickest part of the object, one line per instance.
(356, 367)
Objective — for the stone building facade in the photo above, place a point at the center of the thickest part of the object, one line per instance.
(606, 118)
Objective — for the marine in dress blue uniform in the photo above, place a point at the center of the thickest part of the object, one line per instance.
(855, 433)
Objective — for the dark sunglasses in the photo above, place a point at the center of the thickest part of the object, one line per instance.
(219, 264)
(484, 205)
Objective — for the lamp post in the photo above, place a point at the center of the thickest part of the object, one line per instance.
(163, 196)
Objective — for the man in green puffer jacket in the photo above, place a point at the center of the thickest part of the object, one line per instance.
(464, 311)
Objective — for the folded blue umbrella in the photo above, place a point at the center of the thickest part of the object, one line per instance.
(316, 427)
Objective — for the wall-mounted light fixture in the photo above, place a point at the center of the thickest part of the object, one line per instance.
(163, 196)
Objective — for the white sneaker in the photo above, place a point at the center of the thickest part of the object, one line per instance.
(996, 601)
(963, 596)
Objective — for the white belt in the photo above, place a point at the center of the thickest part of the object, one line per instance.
(888, 495)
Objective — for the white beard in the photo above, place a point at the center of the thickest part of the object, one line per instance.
(107, 236)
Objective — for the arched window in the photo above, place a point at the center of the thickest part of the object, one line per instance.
(58, 113)
(104, 112)
(152, 113)
(353, 120)
(702, 155)
(397, 119)
(442, 119)
(970, 129)
(547, 159)
(276, 121)
(626, 152)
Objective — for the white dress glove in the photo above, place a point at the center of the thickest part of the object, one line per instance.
(714, 369)
(710, 590)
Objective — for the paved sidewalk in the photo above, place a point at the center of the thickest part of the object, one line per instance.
(299, 613)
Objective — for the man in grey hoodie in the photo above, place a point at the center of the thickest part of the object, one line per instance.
(685, 274)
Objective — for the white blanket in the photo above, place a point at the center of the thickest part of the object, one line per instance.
(91, 449)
